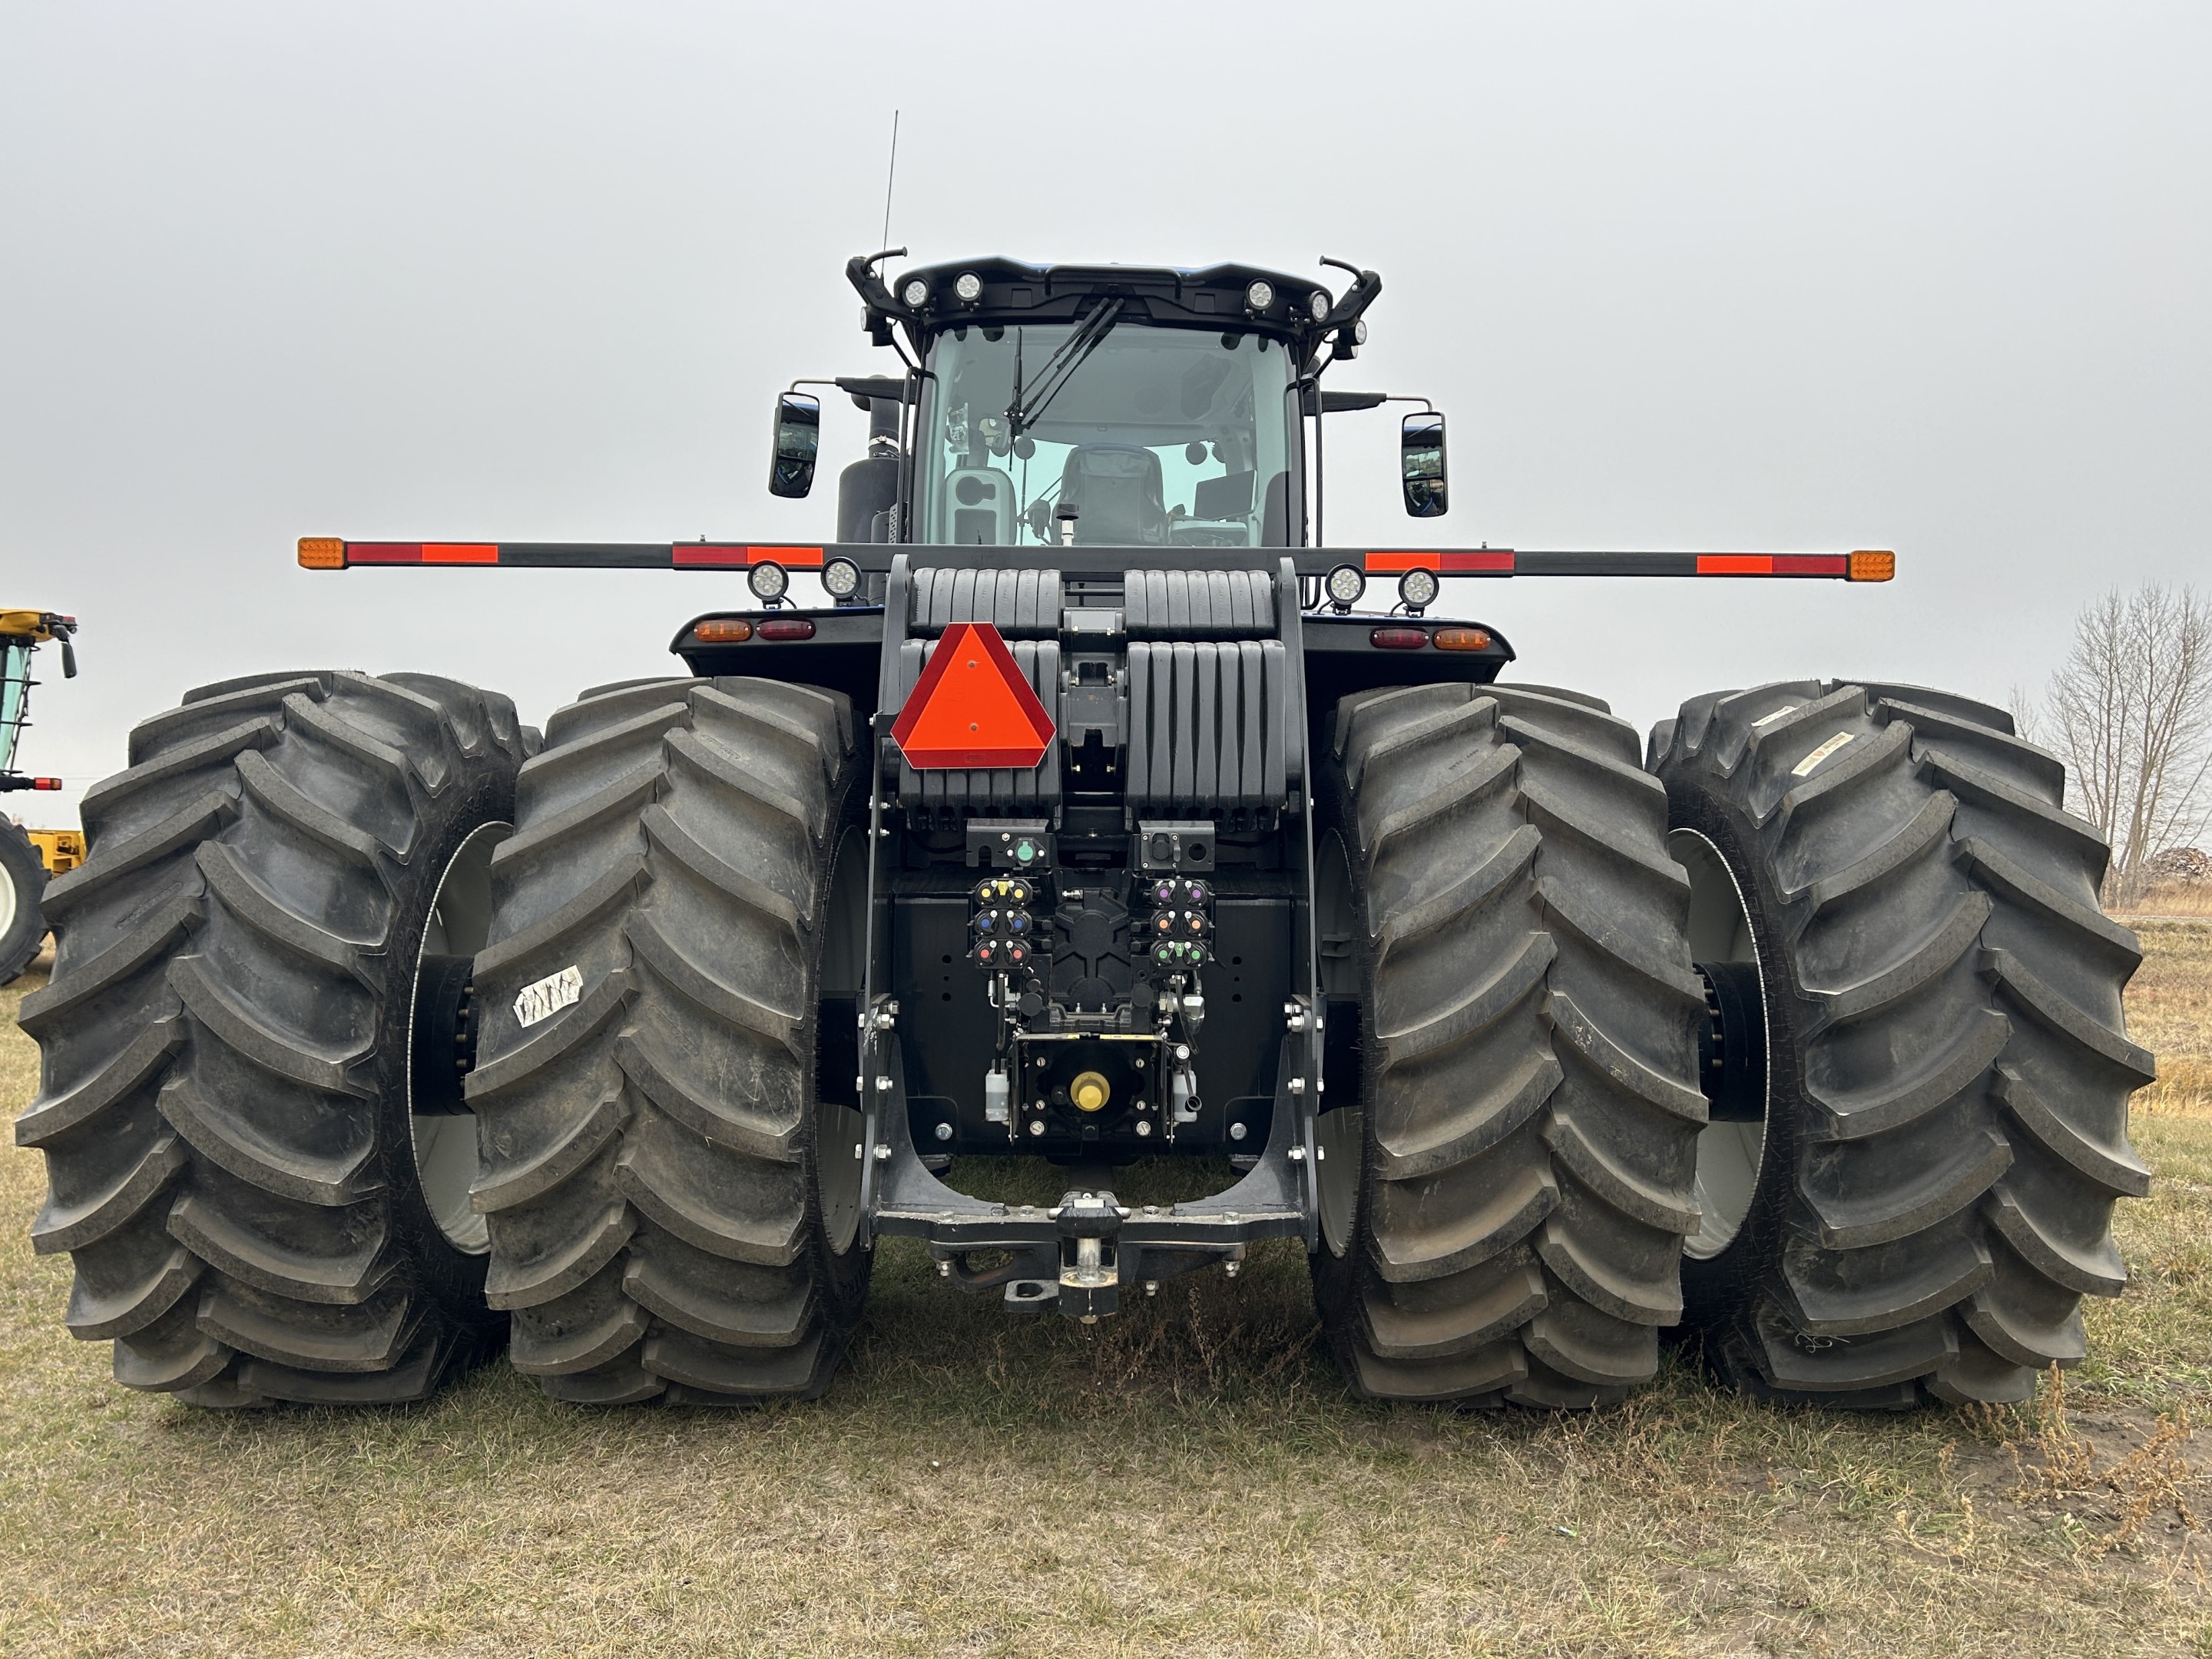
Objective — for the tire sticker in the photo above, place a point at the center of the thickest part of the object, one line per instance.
(535, 1003)
(1804, 768)
(1769, 719)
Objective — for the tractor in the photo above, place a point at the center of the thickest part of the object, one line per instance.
(27, 857)
(1093, 813)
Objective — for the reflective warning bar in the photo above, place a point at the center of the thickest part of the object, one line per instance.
(1860, 566)
(701, 556)
(333, 553)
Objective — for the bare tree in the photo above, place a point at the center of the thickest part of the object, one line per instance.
(2131, 713)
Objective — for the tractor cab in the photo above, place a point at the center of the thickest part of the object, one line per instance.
(1088, 405)
(1099, 407)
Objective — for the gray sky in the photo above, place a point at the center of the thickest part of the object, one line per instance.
(1933, 277)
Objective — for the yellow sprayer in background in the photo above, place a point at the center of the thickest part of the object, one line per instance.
(27, 857)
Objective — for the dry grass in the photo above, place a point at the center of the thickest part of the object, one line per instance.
(2178, 898)
(1188, 1478)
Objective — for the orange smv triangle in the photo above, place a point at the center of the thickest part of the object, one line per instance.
(972, 707)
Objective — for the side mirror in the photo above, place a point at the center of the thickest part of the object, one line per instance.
(1421, 465)
(798, 437)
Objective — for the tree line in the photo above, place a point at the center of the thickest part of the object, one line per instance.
(2130, 711)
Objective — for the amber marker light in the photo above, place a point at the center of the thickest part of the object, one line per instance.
(322, 553)
(1873, 566)
(1461, 639)
(727, 631)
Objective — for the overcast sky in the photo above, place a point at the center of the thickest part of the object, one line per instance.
(1934, 277)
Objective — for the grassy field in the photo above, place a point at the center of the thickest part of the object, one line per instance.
(1189, 1478)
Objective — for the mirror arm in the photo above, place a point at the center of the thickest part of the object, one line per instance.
(1366, 286)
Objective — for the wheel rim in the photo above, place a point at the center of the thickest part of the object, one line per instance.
(1729, 1154)
(446, 1160)
(837, 1126)
(8, 893)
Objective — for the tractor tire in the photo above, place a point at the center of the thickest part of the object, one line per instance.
(233, 1160)
(673, 1202)
(1915, 1189)
(1503, 1209)
(23, 885)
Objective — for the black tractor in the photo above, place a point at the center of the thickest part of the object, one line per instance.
(1089, 818)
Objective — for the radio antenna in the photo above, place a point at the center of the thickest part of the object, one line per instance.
(890, 179)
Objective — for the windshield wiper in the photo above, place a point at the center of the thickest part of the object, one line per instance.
(1030, 401)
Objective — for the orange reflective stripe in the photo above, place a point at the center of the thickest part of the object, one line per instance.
(460, 553)
(1735, 564)
(1381, 563)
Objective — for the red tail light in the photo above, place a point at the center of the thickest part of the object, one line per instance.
(785, 628)
(1399, 639)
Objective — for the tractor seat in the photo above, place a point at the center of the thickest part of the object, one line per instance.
(1116, 491)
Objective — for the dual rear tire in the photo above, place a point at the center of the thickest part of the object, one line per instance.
(1814, 1017)
(261, 1153)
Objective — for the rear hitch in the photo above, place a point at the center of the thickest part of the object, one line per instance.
(1090, 1224)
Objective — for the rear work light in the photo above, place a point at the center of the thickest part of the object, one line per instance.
(729, 630)
(1870, 565)
(1461, 639)
(1399, 639)
(785, 628)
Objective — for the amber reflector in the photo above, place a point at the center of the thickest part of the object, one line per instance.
(728, 631)
(1461, 639)
(1873, 567)
(322, 553)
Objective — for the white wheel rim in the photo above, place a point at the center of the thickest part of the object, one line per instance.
(8, 891)
(446, 1158)
(1729, 1155)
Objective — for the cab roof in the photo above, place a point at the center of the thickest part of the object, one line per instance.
(927, 298)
